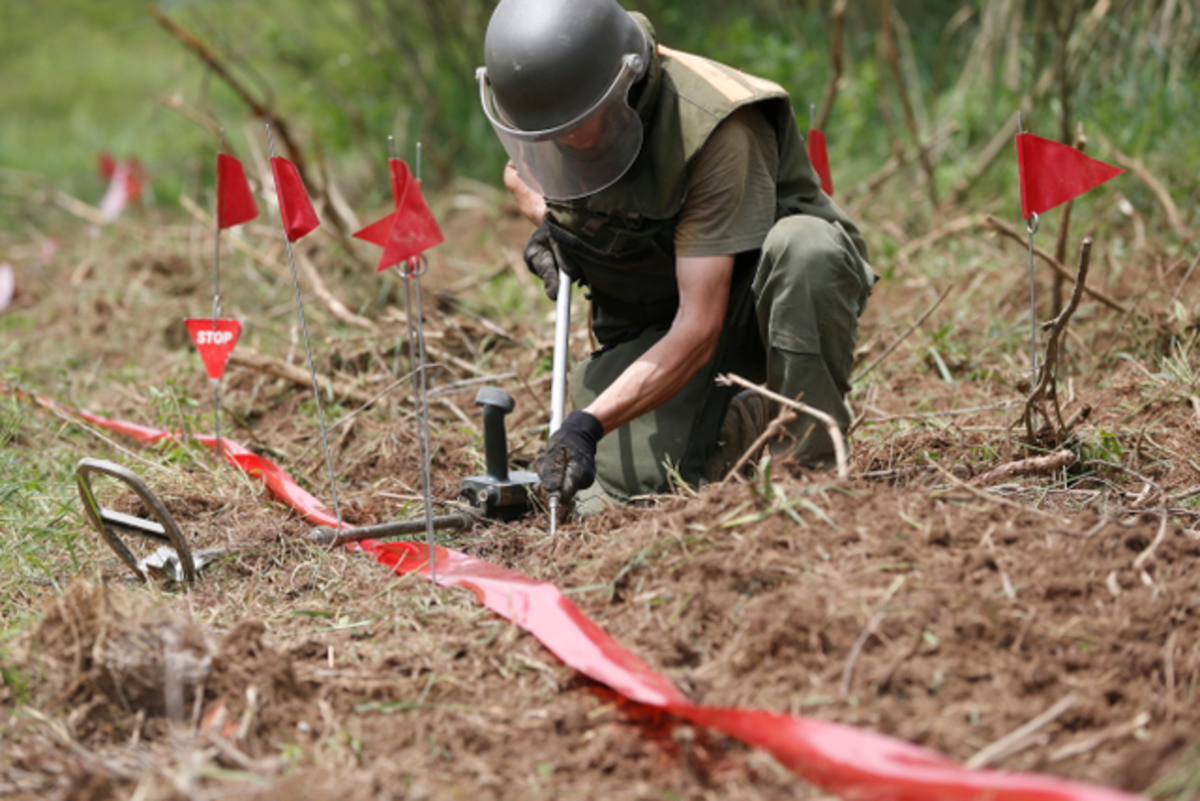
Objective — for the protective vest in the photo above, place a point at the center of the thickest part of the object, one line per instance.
(623, 237)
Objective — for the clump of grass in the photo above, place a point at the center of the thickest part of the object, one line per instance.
(41, 544)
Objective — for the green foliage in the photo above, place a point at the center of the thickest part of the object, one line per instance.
(346, 74)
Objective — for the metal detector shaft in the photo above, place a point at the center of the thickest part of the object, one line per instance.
(452, 522)
(558, 385)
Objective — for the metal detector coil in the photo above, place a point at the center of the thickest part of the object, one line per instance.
(165, 530)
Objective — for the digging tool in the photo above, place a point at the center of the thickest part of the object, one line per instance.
(558, 385)
(175, 560)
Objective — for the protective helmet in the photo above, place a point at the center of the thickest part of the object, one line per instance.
(556, 89)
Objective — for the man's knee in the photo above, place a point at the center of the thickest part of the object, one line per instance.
(811, 263)
(802, 240)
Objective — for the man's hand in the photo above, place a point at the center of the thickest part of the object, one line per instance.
(568, 462)
(544, 260)
(530, 203)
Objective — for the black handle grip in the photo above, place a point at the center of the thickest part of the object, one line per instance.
(496, 404)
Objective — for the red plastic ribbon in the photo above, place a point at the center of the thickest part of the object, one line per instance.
(235, 201)
(853, 763)
(1052, 173)
(295, 209)
(838, 758)
(819, 156)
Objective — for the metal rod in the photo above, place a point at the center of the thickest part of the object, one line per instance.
(399, 340)
(460, 521)
(416, 349)
(558, 381)
(423, 418)
(217, 388)
(216, 314)
(1031, 226)
(337, 509)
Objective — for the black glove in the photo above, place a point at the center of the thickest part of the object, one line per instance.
(568, 462)
(544, 259)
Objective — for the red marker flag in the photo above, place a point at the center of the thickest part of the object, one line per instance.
(214, 344)
(132, 176)
(408, 231)
(1052, 173)
(235, 201)
(295, 209)
(819, 157)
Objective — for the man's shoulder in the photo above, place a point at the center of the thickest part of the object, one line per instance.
(694, 77)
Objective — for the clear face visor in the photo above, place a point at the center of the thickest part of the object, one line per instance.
(580, 157)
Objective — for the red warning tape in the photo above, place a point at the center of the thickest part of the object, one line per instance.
(853, 763)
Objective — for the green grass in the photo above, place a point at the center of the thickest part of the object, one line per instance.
(40, 539)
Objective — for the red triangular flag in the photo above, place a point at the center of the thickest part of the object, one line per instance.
(819, 157)
(414, 230)
(400, 175)
(235, 201)
(214, 344)
(377, 232)
(408, 231)
(295, 209)
(1052, 173)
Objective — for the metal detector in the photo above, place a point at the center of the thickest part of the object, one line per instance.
(174, 560)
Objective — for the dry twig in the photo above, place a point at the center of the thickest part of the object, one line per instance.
(1064, 229)
(257, 107)
(784, 417)
(955, 226)
(855, 650)
(1080, 747)
(887, 352)
(1160, 191)
(1020, 738)
(1007, 230)
(838, 18)
(336, 307)
(244, 357)
(1047, 385)
(998, 144)
(1038, 465)
(987, 496)
(835, 433)
(891, 52)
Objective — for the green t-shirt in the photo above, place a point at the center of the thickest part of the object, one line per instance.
(730, 204)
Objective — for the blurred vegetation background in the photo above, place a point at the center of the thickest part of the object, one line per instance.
(937, 80)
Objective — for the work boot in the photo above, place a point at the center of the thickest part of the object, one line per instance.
(748, 416)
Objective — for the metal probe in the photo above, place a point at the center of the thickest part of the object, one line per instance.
(558, 386)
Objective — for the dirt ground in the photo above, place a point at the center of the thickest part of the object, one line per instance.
(911, 599)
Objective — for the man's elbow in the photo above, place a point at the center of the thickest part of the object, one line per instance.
(706, 345)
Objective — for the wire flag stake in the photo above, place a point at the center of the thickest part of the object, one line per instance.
(298, 219)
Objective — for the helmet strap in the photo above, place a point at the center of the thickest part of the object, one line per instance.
(643, 95)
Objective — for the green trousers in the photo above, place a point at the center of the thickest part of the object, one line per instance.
(792, 322)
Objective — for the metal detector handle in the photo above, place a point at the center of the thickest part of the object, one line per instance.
(460, 521)
(496, 404)
(562, 339)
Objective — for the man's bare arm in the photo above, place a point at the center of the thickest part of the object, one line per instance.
(663, 370)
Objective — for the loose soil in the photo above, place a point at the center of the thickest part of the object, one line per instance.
(906, 600)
